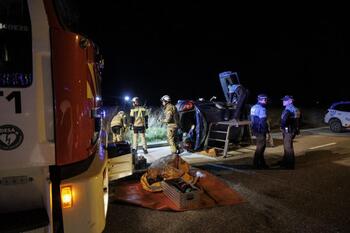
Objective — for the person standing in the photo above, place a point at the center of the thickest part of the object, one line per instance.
(259, 125)
(118, 125)
(171, 119)
(269, 138)
(139, 124)
(290, 120)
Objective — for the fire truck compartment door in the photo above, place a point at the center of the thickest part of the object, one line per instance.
(119, 167)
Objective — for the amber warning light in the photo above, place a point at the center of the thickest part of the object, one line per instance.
(67, 197)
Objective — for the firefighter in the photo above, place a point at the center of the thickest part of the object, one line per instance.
(119, 125)
(290, 120)
(258, 114)
(171, 119)
(139, 123)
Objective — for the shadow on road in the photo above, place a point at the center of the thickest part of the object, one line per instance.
(315, 196)
(308, 159)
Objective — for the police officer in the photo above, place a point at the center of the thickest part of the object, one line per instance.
(258, 114)
(290, 128)
(139, 123)
(118, 125)
(171, 119)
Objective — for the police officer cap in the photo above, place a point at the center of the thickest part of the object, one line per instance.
(287, 97)
(262, 96)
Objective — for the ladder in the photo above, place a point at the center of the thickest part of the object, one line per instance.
(219, 134)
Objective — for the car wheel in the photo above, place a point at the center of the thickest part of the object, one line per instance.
(335, 125)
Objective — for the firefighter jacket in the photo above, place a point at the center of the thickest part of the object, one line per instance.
(258, 117)
(171, 115)
(119, 120)
(290, 119)
(139, 116)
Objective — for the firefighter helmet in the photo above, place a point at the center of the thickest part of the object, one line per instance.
(135, 99)
(165, 98)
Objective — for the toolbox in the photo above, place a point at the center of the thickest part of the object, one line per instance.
(182, 194)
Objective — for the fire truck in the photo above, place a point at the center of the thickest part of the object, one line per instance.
(53, 165)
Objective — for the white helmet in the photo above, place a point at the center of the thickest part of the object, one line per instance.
(135, 99)
(165, 98)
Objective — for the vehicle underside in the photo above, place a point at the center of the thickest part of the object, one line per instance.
(198, 117)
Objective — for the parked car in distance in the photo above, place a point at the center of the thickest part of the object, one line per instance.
(338, 116)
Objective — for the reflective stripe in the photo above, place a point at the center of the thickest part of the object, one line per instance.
(171, 114)
(119, 119)
(139, 113)
(259, 111)
(295, 111)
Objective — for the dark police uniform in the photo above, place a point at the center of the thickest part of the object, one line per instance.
(258, 114)
(290, 119)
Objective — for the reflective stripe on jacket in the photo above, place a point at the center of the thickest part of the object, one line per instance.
(119, 120)
(258, 117)
(171, 115)
(139, 116)
(290, 119)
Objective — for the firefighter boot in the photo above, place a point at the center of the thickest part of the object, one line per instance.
(134, 152)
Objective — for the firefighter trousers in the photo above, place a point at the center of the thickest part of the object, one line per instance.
(118, 133)
(139, 131)
(171, 136)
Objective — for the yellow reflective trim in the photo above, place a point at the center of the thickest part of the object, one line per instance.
(89, 94)
(92, 72)
(139, 113)
(40, 99)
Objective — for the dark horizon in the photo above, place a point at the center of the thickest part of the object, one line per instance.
(151, 50)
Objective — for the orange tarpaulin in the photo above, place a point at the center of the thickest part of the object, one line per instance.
(216, 192)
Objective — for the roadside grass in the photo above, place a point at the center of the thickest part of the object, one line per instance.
(156, 131)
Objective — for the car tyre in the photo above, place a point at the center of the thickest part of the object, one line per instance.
(335, 125)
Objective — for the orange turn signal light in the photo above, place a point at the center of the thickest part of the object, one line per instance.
(67, 197)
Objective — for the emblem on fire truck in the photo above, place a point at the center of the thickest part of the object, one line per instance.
(11, 137)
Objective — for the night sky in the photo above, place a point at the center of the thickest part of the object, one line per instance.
(179, 49)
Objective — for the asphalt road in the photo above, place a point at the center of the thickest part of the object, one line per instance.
(315, 197)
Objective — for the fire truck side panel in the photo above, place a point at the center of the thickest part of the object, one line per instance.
(24, 175)
(90, 198)
(49, 134)
(76, 90)
(34, 119)
(73, 100)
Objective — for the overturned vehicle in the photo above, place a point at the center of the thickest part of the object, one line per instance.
(216, 124)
